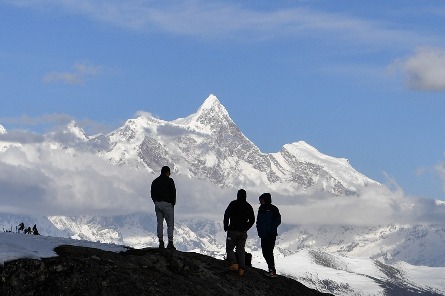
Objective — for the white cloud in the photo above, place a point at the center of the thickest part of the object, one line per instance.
(424, 70)
(144, 114)
(47, 122)
(78, 75)
(21, 136)
(35, 178)
(67, 77)
(219, 19)
(376, 205)
(55, 118)
(440, 169)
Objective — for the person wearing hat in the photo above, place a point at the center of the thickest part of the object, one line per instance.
(268, 219)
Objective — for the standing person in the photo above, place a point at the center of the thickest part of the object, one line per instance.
(238, 219)
(268, 219)
(163, 194)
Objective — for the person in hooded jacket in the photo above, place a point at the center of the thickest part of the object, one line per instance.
(268, 219)
(238, 219)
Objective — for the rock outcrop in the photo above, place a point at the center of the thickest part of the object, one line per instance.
(88, 271)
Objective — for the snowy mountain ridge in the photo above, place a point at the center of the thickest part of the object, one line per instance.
(207, 145)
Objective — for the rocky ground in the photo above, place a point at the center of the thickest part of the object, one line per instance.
(87, 271)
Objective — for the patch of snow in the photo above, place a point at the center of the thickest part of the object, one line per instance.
(18, 245)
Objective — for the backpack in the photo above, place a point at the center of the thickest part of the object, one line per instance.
(247, 259)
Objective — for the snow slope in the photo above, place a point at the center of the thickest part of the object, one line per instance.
(19, 245)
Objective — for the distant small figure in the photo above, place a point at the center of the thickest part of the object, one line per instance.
(34, 230)
(163, 194)
(21, 227)
(28, 230)
(238, 219)
(268, 219)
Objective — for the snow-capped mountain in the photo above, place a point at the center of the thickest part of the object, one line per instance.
(208, 145)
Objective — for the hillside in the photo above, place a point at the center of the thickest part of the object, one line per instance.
(81, 270)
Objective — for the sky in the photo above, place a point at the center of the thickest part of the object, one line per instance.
(355, 79)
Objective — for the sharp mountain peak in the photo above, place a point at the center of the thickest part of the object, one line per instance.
(210, 117)
(212, 104)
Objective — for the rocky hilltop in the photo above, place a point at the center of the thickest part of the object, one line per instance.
(88, 271)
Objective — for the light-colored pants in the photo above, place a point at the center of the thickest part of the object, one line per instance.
(165, 210)
(236, 239)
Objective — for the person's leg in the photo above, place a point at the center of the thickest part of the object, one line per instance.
(240, 249)
(230, 245)
(169, 215)
(267, 246)
(271, 247)
(160, 222)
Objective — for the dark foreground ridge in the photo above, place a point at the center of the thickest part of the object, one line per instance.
(88, 271)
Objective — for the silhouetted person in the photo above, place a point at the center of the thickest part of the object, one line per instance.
(34, 230)
(268, 219)
(163, 194)
(21, 227)
(238, 219)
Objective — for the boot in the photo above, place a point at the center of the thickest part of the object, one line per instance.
(241, 272)
(161, 244)
(170, 246)
(233, 267)
(272, 273)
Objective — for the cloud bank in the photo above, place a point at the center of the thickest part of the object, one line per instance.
(37, 179)
(376, 205)
(40, 179)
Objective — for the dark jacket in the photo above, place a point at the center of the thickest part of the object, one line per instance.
(163, 189)
(268, 218)
(239, 215)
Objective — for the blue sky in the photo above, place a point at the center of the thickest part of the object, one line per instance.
(362, 80)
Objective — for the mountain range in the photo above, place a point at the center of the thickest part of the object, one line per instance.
(210, 159)
(208, 145)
